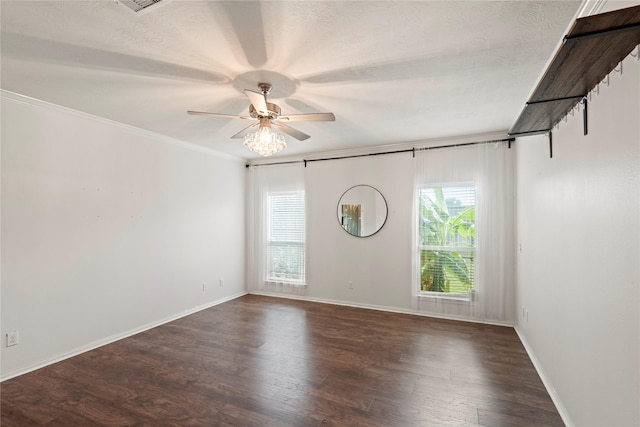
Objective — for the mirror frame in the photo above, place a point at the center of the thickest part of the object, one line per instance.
(386, 207)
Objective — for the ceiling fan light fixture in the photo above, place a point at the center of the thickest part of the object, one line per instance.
(265, 141)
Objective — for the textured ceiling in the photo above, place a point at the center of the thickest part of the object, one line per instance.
(391, 72)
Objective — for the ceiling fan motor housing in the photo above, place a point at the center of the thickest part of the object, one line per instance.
(273, 109)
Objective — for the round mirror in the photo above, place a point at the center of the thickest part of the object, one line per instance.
(362, 211)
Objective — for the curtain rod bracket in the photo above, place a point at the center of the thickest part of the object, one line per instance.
(585, 121)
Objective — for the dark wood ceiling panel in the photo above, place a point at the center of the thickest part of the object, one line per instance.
(594, 46)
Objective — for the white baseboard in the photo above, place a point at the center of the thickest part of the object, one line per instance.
(108, 340)
(564, 414)
(379, 308)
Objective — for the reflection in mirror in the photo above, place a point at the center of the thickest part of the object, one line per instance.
(362, 211)
(351, 219)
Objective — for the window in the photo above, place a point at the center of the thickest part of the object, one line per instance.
(446, 240)
(285, 248)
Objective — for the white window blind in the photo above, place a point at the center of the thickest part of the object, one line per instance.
(446, 240)
(286, 238)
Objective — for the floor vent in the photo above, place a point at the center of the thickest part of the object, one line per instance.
(141, 6)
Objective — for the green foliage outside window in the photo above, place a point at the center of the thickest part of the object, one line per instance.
(447, 240)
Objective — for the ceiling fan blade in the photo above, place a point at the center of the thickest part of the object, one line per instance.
(312, 117)
(245, 131)
(290, 131)
(258, 101)
(231, 116)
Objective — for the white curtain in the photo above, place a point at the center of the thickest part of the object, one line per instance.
(264, 180)
(490, 167)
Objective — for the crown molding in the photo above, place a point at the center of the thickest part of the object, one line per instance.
(589, 8)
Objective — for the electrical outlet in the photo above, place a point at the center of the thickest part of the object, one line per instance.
(221, 282)
(12, 338)
(204, 287)
(523, 312)
(527, 315)
(350, 284)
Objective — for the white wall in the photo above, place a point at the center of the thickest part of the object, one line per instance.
(578, 221)
(380, 265)
(107, 229)
(376, 271)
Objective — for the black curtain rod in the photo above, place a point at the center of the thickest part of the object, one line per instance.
(619, 29)
(408, 150)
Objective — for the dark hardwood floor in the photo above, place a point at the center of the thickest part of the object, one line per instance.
(260, 361)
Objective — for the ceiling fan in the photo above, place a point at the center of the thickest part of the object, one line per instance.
(268, 115)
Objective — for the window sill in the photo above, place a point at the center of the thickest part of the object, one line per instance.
(451, 297)
(285, 283)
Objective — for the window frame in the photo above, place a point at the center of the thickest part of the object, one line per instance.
(460, 296)
(269, 278)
